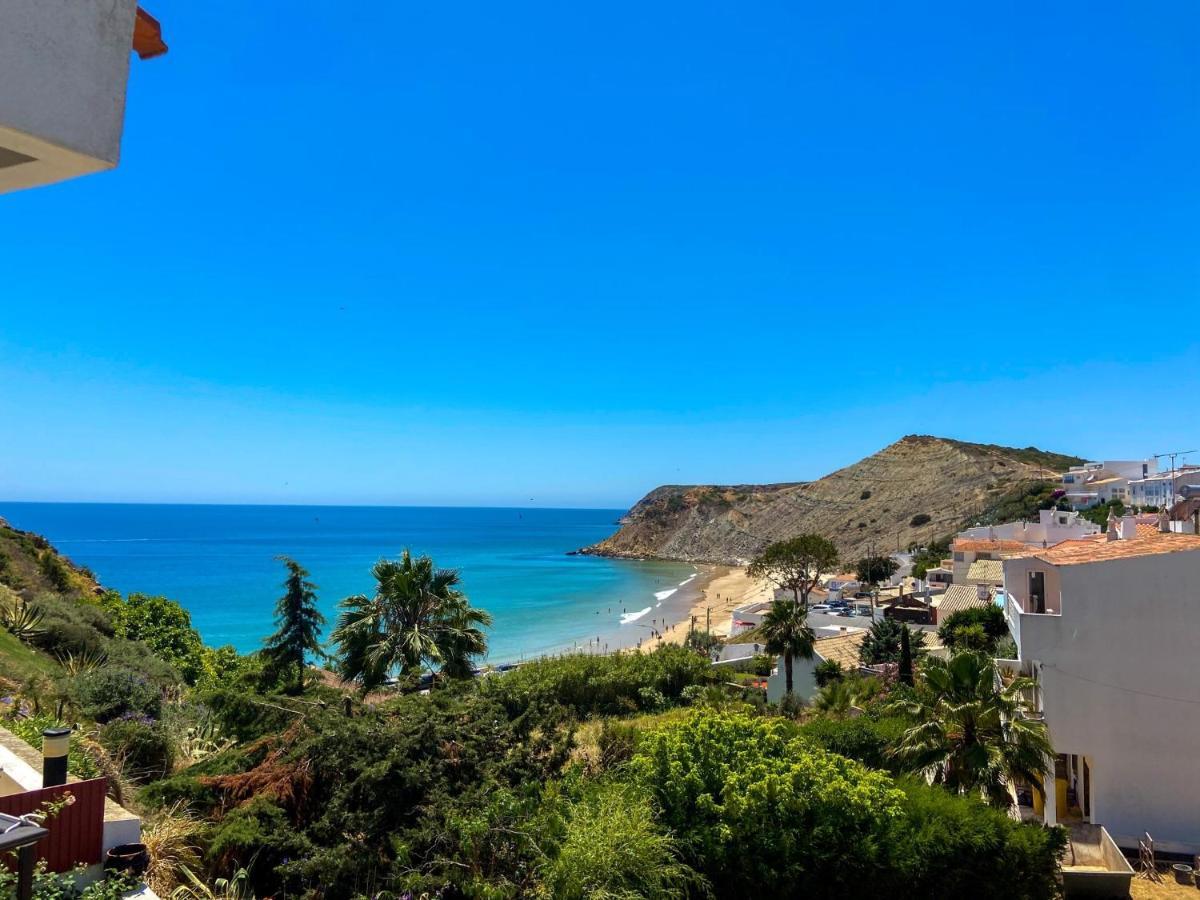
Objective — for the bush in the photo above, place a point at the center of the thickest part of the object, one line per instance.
(977, 628)
(863, 738)
(753, 803)
(142, 746)
(109, 692)
(614, 848)
(600, 685)
(162, 625)
(920, 519)
(763, 664)
(827, 671)
(947, 845)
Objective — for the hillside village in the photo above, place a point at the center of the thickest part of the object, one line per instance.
(1101, 617)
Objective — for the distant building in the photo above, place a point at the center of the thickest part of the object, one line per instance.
(1052, 527)
(964, 551)
(959, 597)
(842, 648)
(63, 68)
(1164, 488)
(1108, 628)
(1100, 482)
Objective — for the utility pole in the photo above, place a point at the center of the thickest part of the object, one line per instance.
(1172, 454)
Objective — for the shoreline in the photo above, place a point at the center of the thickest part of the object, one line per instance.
(708, 596)
(727, 588)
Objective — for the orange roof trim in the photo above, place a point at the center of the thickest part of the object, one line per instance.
(147, 36)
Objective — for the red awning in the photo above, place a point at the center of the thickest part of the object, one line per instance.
(147, 36)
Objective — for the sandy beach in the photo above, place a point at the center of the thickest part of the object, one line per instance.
(724, 589)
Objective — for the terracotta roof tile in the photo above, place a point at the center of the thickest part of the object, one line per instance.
(842, 648)
(956, 598)
(1071, 553)
(989, 571)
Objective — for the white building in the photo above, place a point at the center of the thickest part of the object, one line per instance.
(842, 647)
(64, 65)
(1052, 527)
(1099, 482)
(1163, 489)
(1109, 628)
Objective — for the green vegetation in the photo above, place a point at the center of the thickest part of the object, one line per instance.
(885, 640)
(297, 626)
(417, 619)
(872, 570)
(1022, 503)
(968, 735)
(979, 628)
(623, 776)
(795, 564)
(786, 633)
(929, 557)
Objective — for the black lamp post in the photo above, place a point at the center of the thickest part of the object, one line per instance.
(19, 834)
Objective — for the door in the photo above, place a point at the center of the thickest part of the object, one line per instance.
(1087, 791)
(1037, 592)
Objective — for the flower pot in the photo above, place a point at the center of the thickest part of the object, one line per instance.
(133, 859)
(1183, 873)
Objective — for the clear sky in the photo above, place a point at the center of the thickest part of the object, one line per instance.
(560, 253)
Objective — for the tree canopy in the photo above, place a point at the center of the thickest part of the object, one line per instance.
(786, 633)
(969, 734)
(882, 643)
(297, 625)
(795, 564)
(417, 619)
(875, 569)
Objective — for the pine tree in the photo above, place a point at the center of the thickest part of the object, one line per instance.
(298, 625)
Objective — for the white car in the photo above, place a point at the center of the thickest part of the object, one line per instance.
(819, 607)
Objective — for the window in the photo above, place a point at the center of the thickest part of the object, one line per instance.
(959, 556)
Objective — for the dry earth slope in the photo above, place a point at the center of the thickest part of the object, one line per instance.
(918, 489)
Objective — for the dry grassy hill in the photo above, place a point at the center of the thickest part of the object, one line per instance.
(918, 489)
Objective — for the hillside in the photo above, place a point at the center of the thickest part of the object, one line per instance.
(917, 489)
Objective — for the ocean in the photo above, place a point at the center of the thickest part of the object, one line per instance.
(219, 562)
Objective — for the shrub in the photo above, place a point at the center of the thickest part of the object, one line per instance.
(163, 625)
(763, 664)
(753, 803)
(920, 519)
(604, 685)
(977, 628)
(142, 746)
(614, 848)
(827, 671)
(108, 692)
(946, 845)
(863, 738)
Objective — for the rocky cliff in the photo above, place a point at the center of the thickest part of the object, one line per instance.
(917, 489)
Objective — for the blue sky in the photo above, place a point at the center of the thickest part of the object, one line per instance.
(540, 254)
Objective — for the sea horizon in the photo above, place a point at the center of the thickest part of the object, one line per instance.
(219, 560)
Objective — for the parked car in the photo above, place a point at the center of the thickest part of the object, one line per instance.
(820, 607)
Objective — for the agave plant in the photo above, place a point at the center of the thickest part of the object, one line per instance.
(77, 664)
(21, 618)
(201, 741)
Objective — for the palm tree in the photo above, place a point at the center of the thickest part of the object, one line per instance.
(970, 734)
(785, 627)
(417, 618)
(839, 697)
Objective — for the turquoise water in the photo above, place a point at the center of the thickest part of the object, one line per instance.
(219, 562)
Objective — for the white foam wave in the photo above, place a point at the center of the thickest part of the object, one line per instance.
(686, 580)
(663, 595)
(628, 617)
